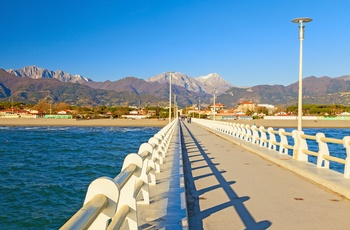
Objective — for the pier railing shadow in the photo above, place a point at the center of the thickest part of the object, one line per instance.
(193, 195)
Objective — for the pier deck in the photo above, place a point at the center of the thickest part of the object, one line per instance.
(167, 209)
(229, 187)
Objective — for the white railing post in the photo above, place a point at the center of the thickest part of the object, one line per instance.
(298, 152)
(322, 151)
(237, 128)
(111, 190)
(162, 146)
(255, 137)
(126, 194)
(346, 144)
(248, 133)
(157, 157)
(148, 164)
(242, 132)
(283, 142)
(99, 206)
(272, 139)
(263, 137)
(231, 131)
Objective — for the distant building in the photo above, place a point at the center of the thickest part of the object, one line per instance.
(216, 107)
(134, 112)
(281, 114)
(344, 114)
(17, 113)
(63, 112)
(152, 113)
(137, 114)
(244, 106)
(270, 108)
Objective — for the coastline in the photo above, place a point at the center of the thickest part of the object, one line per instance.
(82, 122)
(162, 123)
(294, 123)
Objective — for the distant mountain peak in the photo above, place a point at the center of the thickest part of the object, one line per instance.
(36, 73)
(211, 75)
(201, 84)
(214, 81)
(178, 78)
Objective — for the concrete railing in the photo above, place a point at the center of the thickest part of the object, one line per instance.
(109, 202)
(278, 140)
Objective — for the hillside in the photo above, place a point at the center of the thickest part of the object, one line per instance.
(323, 90)
(28, 90)
(159, 90)
(155, 91)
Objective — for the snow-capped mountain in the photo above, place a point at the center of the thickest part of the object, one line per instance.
(201, 84)
(205, 84)
(179, 79)
(35, 73)
(214, 81)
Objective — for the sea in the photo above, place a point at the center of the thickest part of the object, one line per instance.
(45, 171)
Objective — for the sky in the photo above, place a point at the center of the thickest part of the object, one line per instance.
(247, 42)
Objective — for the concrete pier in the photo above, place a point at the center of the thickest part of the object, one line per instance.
(231, 184)
(167, 208)
(229, 187)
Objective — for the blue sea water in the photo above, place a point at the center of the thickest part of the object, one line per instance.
(45, 171)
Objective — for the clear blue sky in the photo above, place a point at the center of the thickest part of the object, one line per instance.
(247, 42)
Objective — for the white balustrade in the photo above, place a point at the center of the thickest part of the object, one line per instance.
(268, 138)
(110, 202)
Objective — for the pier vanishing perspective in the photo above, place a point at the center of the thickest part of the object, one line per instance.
(217, 175)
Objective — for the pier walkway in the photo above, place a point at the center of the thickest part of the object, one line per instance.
(230, 187)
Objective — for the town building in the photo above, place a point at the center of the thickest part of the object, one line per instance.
(246, 106)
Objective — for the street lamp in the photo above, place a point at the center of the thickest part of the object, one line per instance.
(199, 108)
(301, 22)
(170, 97)
(214, 103)
(175, 107)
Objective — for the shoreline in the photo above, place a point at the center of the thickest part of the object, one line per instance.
(294, 123)
(162, 123)
(82, 122)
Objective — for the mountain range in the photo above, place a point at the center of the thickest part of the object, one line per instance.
(31, 84)
(35, 73)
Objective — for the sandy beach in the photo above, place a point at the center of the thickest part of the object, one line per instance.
(294, 123)
(162, 123)
(82, 122)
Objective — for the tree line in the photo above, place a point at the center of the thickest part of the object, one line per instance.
(319, 110)
(82, 111)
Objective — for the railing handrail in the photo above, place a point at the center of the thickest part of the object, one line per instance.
(123, 177)
(87, 214)
(332, 140)
(299, 152)
(136, 174)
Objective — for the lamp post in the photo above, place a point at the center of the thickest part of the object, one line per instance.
(199, 108)
(301, 22)
(214, 104)
(175, 107)
(170, 97)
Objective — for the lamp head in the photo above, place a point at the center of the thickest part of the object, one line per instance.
(302, 20)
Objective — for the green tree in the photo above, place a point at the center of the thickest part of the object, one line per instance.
(42, 106)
